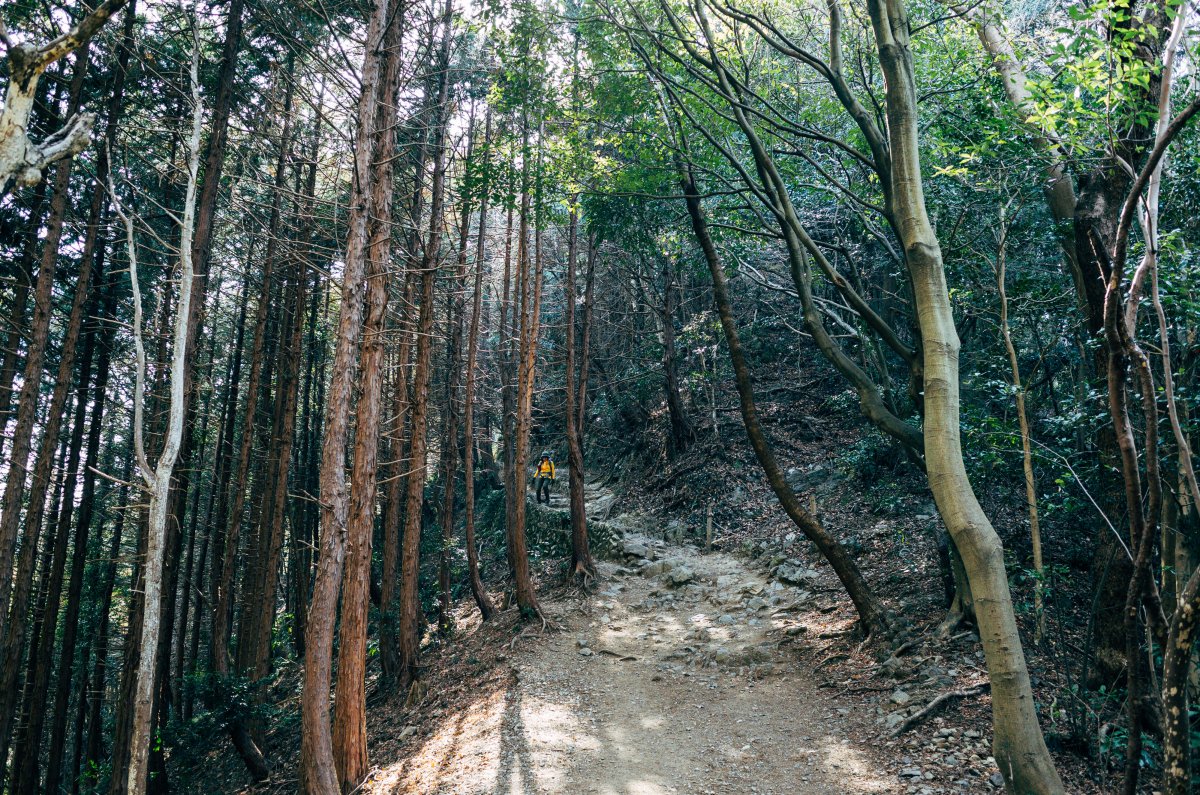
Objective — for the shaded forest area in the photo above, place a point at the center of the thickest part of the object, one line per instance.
(295, 295)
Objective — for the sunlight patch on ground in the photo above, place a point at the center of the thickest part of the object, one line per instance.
(635, 788)
(508, 744)
(466, 744)
(842, 761)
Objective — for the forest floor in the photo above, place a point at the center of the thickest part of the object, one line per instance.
(681, 673)
(686, 670)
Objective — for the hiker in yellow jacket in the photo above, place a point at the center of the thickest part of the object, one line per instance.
(543, 476)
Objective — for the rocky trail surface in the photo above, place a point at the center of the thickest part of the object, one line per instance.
(677, 674)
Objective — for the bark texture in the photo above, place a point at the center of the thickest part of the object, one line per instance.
(1018, 745)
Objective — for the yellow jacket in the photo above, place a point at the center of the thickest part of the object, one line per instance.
(545, 469)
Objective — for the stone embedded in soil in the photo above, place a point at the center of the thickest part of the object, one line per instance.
(656, 568)
(794, 574)
(680, 576)
(900, 698)
(894, 668)
(635, 549)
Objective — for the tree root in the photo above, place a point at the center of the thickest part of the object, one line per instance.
(831, 659)
(416, 693)
(525, 633)
(529, 632)
(935, 705)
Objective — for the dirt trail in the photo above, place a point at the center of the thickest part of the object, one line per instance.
(673, 678)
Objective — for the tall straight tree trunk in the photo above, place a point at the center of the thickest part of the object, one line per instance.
(450, 442)
(409, 645)
(1017, 744)
(158, 480)
(223, 606)
(26, 775)
(450, 417)
(224, 464)
(91, 706)
(18, 316)
(99, 334)
(257, 609)
(350, 714)
(585, 344)
(314, 431)
(393, 513)
(318, 771)
(21, 586)
(482, 600)
(530, 293)
(31, 382)
(682, 432)
(104, 331)
(508, 388)
(582, 565)
(393, 516)
(200, 244)
(175, 682)
(350, 720)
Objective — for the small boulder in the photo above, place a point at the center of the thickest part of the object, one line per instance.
(656, 568)
(794, 574)
(894, 668)
(635, 549)
(900, 698)
(680, 576)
